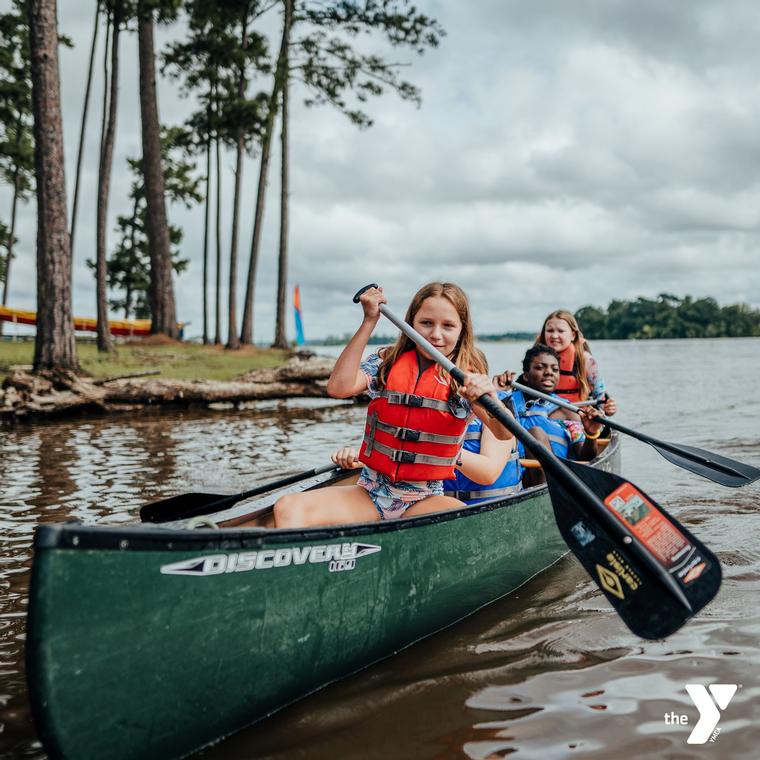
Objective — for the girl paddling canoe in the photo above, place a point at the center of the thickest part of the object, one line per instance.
(416, 419)
(486, 468)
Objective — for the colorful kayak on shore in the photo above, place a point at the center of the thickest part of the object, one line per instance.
(125, 327)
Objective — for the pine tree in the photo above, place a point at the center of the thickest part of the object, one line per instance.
(163, 309)
(54, 345)
(16, 140)
(219, 60)
(83, 126)
(129, 264)
(108, 135)
(323, 61)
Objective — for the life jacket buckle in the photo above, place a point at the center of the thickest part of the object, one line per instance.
(406, 434)
(412, 400)
(394, 397)
(403, 457)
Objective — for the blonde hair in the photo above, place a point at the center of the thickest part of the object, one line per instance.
(580, 344)
(465, 354)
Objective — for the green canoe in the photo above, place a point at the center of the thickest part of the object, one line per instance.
(149, 641)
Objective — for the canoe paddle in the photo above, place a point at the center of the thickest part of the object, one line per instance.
(652, 570)
(719, 469)
(194, 504)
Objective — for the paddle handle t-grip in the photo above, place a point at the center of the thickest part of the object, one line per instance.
(366, 287)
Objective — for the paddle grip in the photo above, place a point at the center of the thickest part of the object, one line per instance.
(366, 287)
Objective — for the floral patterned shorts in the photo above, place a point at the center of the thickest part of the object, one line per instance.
(393, 499)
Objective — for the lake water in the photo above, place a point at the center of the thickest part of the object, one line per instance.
(547, 672)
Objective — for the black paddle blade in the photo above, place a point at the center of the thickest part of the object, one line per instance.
(719, 469)
(184, 505)
(642, 600)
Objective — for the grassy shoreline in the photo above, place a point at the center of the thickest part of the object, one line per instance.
(174, 360)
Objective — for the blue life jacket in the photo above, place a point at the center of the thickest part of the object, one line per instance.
(470, 492)
(535, 413)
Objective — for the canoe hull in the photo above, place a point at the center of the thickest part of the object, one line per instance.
(150, 643)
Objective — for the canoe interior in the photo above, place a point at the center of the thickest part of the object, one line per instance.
(146, 641)
(259, 513)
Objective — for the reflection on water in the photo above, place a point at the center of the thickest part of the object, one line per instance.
(548, 672)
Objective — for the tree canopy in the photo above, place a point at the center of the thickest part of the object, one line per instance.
(669, 316)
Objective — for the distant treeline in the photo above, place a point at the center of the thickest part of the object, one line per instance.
(669, 316)
(508, 336)
(341, 340)
(387, 340)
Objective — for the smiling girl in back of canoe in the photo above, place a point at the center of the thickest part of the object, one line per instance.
(579, 373)
(416, 419)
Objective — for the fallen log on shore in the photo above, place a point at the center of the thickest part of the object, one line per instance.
(24, 394)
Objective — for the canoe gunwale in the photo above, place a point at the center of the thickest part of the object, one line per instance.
(147, 537)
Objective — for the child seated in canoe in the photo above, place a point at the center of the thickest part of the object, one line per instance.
(579, 376)
(486, 468)
(416, 418)
(568, 434)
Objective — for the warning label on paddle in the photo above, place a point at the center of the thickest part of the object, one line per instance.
(656, 532)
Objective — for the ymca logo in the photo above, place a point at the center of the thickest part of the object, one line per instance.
(710, 705)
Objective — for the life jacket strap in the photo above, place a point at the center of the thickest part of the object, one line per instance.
(487, 494)
(369, 438)
(412, 399)
(411, 457)
(407, 434)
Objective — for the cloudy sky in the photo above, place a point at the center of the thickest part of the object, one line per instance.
(565, 153)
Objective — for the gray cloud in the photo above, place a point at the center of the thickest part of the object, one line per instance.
(565, 154)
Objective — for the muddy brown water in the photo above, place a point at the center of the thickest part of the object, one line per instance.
(547, 672)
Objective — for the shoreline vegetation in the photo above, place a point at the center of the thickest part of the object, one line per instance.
(156, 371)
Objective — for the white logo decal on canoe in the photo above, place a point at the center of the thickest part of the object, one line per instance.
(338, 557)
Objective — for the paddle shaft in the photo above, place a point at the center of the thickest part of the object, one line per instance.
(171, 509)
(286, 481)
(494, 407)
(551, 464)
(626, 430)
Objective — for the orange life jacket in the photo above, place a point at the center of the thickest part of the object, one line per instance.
(568, 386)
(411, 431)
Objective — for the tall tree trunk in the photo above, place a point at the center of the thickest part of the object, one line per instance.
(233, 341)
(218, 331)
(12, 234)
(163, 311)
(246, 334)
(280, 337)
(54, 346)
(206, 236)
(85, 108)
(133, 228)
(105, 343)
